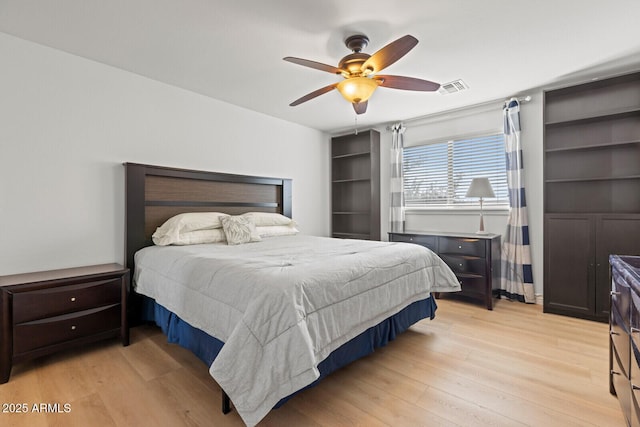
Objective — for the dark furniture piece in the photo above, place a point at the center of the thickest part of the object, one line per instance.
(474, 258)
(48, 311)
(591, 187)
(624, 333)
(355, 186)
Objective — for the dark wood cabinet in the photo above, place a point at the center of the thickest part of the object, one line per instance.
(591, 190)
(624, 335)
(355, 186)
(48, 311)
(474, 258)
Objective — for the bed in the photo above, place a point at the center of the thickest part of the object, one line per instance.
(271, 317)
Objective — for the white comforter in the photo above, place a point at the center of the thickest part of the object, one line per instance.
(284, 304)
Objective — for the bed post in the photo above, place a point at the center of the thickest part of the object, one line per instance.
(286, 197)
(226, 403)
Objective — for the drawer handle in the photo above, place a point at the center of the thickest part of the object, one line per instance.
(614, 293)
(614, 333)
(73, 299)
(615, 373)
(459, 246)
(73, 327)
(634, 330)
(634, 387)
(460, 264)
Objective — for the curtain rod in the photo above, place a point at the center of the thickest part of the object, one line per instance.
(521, 99)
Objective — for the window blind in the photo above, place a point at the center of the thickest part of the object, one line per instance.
(439, 174)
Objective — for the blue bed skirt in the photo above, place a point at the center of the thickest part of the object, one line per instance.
(206, 347)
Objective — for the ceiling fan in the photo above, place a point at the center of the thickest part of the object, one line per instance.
(360, 72)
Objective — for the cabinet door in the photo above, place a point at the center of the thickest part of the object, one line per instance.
(569, 282)
(615, 235)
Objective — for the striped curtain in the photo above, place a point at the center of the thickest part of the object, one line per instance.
(396, 213)
(517, 277)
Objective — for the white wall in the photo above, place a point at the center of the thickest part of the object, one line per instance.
(464, 122)
(68, 124)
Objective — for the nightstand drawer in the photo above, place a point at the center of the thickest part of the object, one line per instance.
(464, 264)
(463, 246)
(428, 241)
(54, 301)
(41, 333)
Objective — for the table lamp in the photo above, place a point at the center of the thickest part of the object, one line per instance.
(480, 187)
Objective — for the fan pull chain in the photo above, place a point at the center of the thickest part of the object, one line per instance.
(356, 124)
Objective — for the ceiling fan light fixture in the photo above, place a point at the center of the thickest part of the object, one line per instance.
(357, 89)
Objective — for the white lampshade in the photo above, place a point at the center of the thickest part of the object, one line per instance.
(480, 187)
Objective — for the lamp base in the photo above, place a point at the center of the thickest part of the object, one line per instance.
(481, 229)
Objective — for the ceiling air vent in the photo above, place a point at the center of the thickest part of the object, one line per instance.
(452, 87)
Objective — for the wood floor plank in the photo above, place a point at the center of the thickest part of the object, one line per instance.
(468, 367)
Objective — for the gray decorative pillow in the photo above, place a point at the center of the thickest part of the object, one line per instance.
(239, 230)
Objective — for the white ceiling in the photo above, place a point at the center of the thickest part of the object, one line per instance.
(232, 50)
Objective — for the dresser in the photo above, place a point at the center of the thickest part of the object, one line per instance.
(624, 335)
(474, 258)
(49, 311)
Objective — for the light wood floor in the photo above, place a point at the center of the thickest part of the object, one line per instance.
(468, 367)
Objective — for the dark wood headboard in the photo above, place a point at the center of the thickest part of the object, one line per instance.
(155, 194)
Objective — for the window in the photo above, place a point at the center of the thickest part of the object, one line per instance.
(439, 174)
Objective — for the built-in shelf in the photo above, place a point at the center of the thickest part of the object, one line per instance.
(352, 213)
(603, 145)
(601, 178)
(355, 189)
(351, 155)
(608, 115)
(591, 191)
(339, 181)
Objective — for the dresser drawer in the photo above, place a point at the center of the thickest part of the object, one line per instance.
(621, 384)
(465, 264)
(635, 385)
(463, 246)
(621, 298)
(58, 300)
(428, 241)
(620, 339)
(43, 332)
(635, 411)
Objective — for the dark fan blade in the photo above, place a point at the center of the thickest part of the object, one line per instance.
(390, 53)
(313, 64)
(313, 94)
(360, 107)
(407, 83)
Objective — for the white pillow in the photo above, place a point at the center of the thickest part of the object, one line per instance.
(238, 230)
(264, 219)
(176, 226)
(192, 238)
(277, 230)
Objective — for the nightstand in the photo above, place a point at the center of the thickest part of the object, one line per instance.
(49, 311)
(474, 258)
